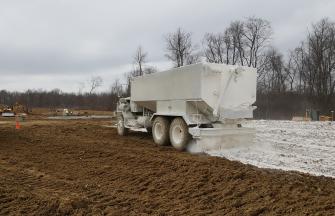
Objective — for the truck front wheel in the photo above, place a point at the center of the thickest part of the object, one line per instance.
(121, 129)
(160, 130)
(179, 135)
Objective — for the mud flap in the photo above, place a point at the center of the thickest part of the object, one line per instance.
(216, 139)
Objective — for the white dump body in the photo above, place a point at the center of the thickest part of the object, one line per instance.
(200, 93)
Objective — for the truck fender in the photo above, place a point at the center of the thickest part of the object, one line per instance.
(188, 122)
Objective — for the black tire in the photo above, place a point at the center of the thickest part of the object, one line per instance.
(149, 130)
(121, 129)
(179, 136)
(160, 131)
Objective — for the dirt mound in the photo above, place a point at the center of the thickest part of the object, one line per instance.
(81, 168)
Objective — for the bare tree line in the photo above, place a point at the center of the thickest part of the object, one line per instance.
(58, 99)
(309, 70)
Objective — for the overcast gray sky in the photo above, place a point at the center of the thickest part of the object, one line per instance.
(47, 44)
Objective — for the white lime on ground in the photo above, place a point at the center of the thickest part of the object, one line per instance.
(288, 145)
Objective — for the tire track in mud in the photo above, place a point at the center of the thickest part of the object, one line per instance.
(64, 194)
(5, 203)
(18, 184)
(102, 202)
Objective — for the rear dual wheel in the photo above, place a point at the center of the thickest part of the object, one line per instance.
(176, 132)
(179, 136)
(160, 130)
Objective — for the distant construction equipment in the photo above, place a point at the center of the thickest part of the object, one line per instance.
(16, 109)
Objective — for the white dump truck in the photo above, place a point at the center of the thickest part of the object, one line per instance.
(193, 102)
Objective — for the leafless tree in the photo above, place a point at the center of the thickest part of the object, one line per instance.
(116, 91)
(180, 49)
(299, 62)
(128, 76)
(140, 59)
(235, 43)
(291, 73)
(95, 83)
(150, 70)
(227, 47)
(272, 77)
(242, 43)
(295, 70)
(116, 88)
(194, 58)
(278, 73)
(214, 48)
(257, 34)
(321, 59)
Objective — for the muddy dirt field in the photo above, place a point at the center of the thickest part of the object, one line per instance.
(81, 168)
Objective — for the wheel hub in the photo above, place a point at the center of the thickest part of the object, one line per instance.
(159, 130)
(177, 134)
